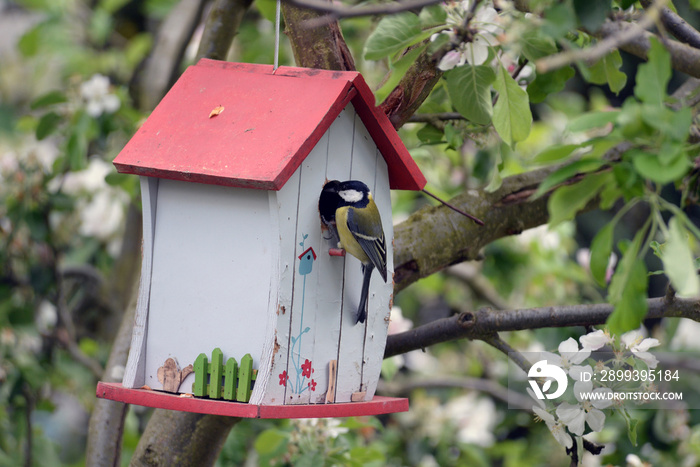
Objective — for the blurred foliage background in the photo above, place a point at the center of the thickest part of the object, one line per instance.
(68, 69)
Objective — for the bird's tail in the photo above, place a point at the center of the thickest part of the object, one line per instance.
(362, 309)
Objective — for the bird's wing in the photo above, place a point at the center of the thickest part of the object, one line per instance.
(369, 236)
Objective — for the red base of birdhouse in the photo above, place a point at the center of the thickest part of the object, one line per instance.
(163, 400)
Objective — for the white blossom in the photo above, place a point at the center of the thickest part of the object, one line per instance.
(587, 411)
(596, 339)
(475, 417)
(486, 26)
(98, 99)
(46, 316)
(639, 346)
(570, 356)
(557, 428)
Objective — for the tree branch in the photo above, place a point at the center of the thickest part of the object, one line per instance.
(491, 388)
(603, 47)
(484, 323)
(322, 46)
(415, 86)
(182, 438)
(336, 11)
(436, 237)
(677, 25)
(162, 67)
(221, 27)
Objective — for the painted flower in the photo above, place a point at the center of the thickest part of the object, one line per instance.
(284, 378)
(588, 411)
(557, 428)
(306, 369)
(596, 339)
(639, 346)
(312, 385)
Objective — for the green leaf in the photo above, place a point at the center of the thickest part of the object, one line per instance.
(393, 33)
(430, 134)
(555, 153)
(398, 70)
(632, 306)
(674, 124)
(47, 125)
(565, 173)
(601, 248)
(592, 13)
(271, 441)
(453, 137)
(267, 9)
(469, 88)
(653, 76)
(50, 98)
(545, 84)
(28, 44)
(678, 260)
(630, 250)
(632, 429)
(511, 114)
(431, 16)
(650, 166)
(536, 45)
(592, 120)
(606, 71)
(566, 201)
(559, 20)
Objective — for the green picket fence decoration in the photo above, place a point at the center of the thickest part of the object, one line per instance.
(237, 381)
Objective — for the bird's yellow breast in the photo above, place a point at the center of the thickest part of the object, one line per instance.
(347, 239)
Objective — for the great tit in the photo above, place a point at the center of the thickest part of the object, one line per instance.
(359, 229)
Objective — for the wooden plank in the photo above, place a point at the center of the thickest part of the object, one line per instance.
(332, 268)
(311, 322)
(352, 343)
(381, 294)
(135, 371)
(378, 406)
(230, 379)
(273, 368)
(332, 375)
(245, 376)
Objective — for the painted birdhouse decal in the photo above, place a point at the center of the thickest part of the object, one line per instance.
(232, 162)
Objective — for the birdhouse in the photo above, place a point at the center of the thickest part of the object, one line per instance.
(232, 163)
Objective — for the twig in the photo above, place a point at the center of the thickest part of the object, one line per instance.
(429, 118)
(472, 277)
(676, 25)
(495, 341)
(484, 323)
(603, 47)
(336, 11)
(454, 208)
(492, 388)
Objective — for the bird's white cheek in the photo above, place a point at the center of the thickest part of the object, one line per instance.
(351, 196)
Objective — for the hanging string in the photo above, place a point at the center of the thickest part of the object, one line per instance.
(277, 35)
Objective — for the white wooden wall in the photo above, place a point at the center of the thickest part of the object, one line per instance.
(326, 302)
(210, 277)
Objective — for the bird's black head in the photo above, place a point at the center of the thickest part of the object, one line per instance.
(353, 193)
(329, 201)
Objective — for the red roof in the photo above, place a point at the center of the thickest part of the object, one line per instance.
(269, 124)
